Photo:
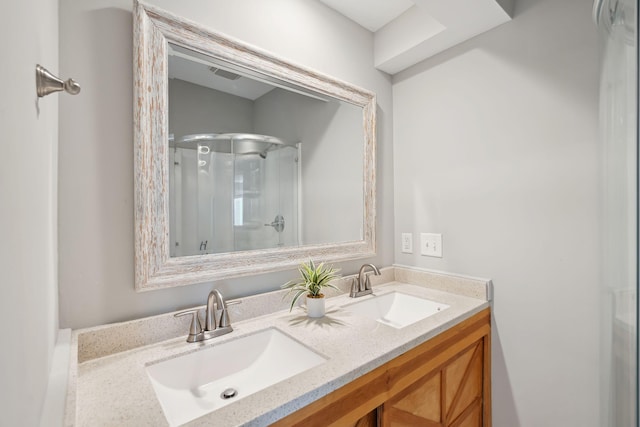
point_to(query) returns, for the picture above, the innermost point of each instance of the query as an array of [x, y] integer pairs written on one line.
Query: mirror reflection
[[257, 163]]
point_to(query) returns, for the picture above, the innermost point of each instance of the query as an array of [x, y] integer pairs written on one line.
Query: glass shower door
[[249, 194], [265, 200], [226, 197], [282, 177], [616, 20]]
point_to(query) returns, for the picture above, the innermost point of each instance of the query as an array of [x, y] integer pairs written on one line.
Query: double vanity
[[414, 351], [406, 347]]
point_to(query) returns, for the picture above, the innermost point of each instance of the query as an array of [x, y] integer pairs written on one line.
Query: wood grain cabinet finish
[[444, 382], [450, 396]]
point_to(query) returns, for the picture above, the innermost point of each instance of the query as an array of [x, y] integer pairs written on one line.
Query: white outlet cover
[[431, 244], [407, 243]]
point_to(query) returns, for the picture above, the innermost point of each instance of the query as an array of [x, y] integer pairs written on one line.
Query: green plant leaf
[[295, 298], [312, 279]]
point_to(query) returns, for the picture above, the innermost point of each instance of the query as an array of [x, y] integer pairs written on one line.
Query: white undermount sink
[[193, 384], [396, 309]]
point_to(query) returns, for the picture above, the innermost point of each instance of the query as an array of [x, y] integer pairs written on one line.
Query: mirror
[[244, 163], [248, 161]]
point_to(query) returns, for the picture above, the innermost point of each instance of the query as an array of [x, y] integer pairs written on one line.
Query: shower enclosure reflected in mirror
[[222, 189], [244, 162]]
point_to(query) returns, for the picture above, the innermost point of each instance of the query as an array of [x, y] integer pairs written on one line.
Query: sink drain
[[229, 393]]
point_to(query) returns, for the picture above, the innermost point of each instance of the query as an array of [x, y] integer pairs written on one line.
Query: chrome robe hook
[[47, 83]]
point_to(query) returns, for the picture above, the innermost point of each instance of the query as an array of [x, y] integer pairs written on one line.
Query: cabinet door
[[451, 396], [369, 420]]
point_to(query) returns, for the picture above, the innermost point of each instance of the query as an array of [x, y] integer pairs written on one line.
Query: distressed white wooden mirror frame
[[154, 268]]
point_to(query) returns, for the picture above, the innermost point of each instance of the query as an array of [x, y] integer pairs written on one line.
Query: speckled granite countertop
[[114, 389]]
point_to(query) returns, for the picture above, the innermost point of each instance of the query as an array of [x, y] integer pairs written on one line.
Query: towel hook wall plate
[[47, 83]]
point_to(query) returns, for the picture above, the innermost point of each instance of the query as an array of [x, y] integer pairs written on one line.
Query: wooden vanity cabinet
[[443, 382]]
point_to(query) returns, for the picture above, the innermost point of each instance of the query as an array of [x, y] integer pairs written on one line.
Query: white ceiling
[[371, 14], [196, 70], [202, 70], [409, 31]]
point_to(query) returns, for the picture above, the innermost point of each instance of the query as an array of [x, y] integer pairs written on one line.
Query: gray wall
[[197, 109], [96, 148], [495, 146], [28, 194]]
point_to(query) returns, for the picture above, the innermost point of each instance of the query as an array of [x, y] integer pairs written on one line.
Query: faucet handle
[[224, 315], [195, 328], [367, 282], [354, 287]]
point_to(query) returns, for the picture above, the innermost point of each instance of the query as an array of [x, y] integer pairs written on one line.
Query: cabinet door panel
[[369, 420], [422, 400], [462, 391], [419, 404], [449, 397], [471, 417], [454, 376], [396, 418]]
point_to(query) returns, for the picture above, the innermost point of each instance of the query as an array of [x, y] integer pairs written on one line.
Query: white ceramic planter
[[315, 306]]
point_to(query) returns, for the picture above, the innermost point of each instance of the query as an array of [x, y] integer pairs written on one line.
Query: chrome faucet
[[358, 286], [212, 327], [215, 302]]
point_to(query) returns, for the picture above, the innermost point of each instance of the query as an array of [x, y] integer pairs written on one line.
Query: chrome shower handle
[[277, 224]]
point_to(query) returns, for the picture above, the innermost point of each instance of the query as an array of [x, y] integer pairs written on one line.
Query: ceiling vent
[[224, 73]]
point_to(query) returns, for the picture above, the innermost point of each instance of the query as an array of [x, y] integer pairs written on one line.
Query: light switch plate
[[431, 244], [407, 243]]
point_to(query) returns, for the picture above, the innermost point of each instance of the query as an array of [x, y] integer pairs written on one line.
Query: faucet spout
[[362, 285], [215, 301], [213, 327], [366, 285]]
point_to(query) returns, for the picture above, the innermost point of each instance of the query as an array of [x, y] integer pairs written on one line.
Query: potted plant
[[311, 281]]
